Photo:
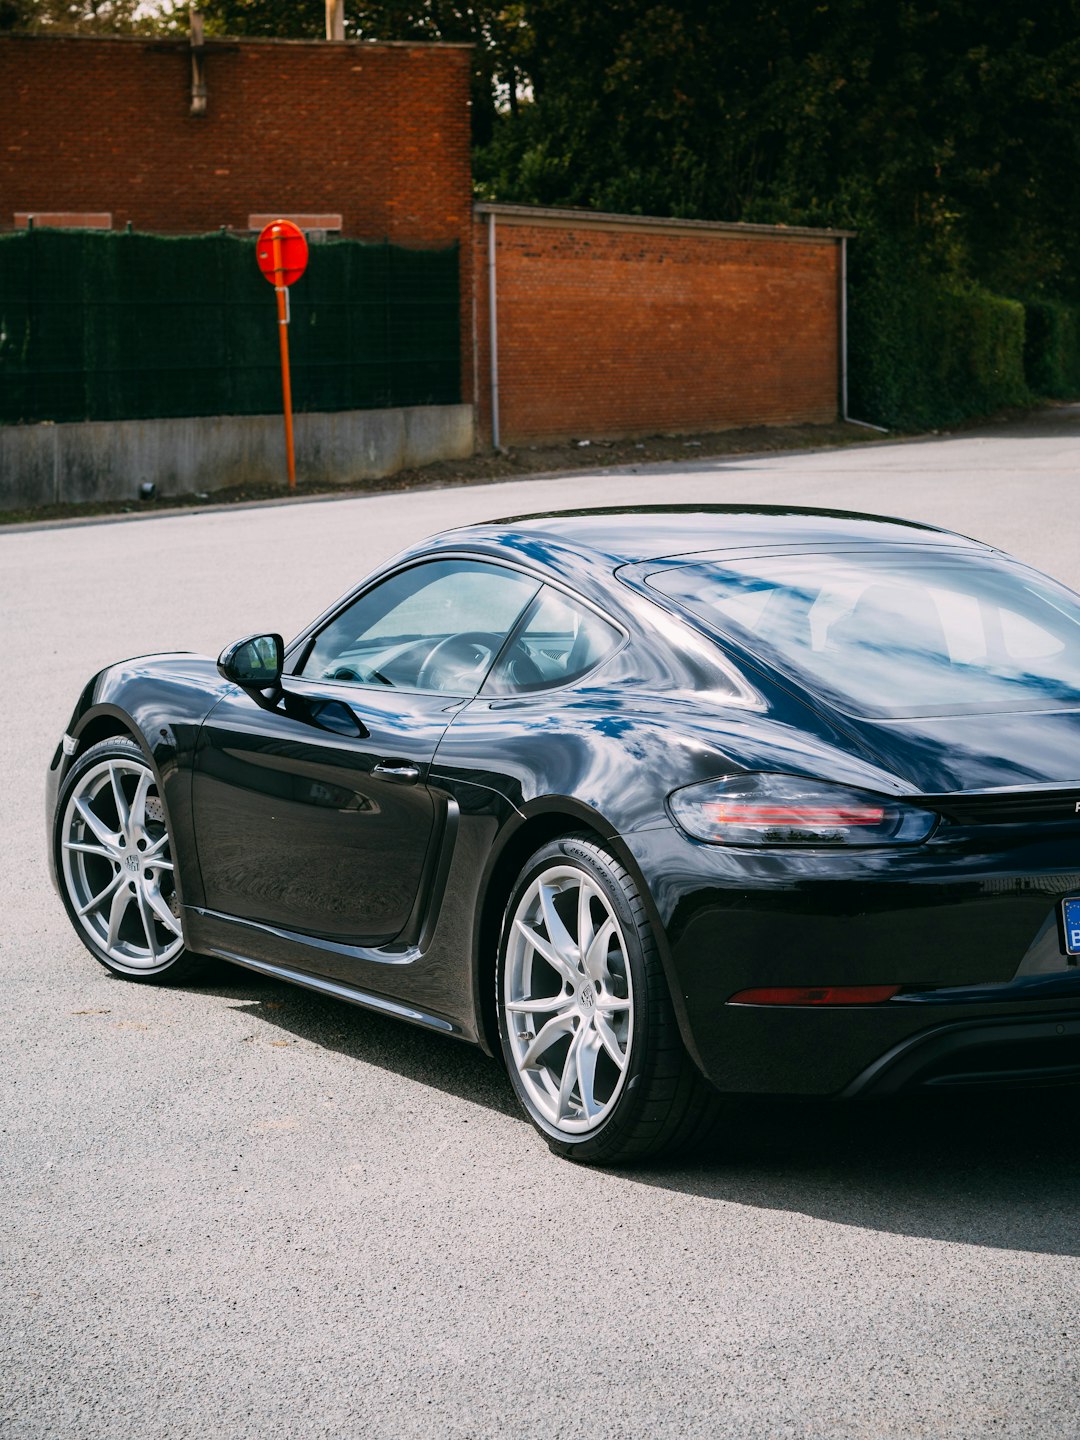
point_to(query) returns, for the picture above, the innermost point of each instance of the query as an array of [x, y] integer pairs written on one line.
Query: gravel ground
[[246, 1211]]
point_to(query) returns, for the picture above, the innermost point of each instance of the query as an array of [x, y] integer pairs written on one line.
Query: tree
[[264, 19], [953, 122], [76, 17]]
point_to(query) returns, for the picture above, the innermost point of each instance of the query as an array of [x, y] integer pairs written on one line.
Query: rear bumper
[[892, 1048], [972, 936], [1006, 1052]]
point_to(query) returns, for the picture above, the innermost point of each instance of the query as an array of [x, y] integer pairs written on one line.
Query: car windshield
[[897, 635]]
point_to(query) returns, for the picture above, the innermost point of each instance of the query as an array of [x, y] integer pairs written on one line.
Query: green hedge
[[924, 353], [115, 326], [1052, 349]]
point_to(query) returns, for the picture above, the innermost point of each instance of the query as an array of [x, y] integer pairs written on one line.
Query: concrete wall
[[47, 464], [613, 325]]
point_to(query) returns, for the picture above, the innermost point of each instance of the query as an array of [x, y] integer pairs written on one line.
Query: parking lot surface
[[244, 1210]]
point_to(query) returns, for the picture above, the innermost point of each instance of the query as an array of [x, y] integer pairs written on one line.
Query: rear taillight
[[770, 809]]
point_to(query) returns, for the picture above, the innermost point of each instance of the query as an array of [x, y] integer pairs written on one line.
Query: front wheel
[[115, 864], [586, 1023]]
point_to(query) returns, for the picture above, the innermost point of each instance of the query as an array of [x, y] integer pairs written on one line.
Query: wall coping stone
[[568, 218]]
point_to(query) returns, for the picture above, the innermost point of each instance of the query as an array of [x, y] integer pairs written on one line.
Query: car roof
[[624, 535]]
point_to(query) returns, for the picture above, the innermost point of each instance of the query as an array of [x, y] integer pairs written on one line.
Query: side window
[[437, 626], [559, 641]]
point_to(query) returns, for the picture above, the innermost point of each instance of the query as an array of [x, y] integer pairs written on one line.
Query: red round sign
[[282, 252]]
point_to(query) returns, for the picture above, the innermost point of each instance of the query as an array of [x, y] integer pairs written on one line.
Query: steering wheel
[[458, 661], [519, 671]]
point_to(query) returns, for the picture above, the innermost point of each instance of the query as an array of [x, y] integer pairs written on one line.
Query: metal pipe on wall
[[843, 328], [493, 333]]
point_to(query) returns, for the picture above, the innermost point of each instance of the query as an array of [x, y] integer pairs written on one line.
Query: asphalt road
[[246, 1211]]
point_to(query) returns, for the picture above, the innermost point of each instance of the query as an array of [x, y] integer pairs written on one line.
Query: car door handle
[[397, 770]]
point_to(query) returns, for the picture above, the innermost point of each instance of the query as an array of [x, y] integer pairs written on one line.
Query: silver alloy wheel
[[117, 865], [568, 1000]]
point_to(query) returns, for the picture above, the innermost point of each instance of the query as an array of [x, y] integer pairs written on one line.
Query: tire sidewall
[[608, 1137]]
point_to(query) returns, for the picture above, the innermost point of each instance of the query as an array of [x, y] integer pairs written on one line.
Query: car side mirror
[[254, 663]]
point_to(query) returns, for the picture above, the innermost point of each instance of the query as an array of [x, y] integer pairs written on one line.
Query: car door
[[317, 815]]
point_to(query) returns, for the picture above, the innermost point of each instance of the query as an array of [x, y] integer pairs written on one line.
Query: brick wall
[[378, 133], [612, 326]]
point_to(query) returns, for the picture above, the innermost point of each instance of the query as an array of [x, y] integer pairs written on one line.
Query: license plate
[[1070, 914]]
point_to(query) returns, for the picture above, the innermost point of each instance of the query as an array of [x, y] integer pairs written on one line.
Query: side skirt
[[345, 992]]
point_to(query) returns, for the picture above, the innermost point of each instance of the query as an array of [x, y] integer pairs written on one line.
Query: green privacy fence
[[119, 326]]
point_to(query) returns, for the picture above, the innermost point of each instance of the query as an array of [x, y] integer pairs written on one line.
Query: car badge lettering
[[133, 863]]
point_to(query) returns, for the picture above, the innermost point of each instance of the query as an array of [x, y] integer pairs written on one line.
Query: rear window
[[896, 635]]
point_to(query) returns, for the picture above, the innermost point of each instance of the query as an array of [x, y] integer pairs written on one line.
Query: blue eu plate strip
[[1071, 914]]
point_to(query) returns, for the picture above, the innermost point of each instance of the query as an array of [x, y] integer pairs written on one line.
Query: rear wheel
[[115, 864], [586, 1023]]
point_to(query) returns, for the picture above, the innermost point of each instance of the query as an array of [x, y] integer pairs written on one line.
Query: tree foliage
[[262, 19], [953, 122], [77, 17]]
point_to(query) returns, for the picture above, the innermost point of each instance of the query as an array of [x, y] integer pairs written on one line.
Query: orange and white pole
[[281, 291]]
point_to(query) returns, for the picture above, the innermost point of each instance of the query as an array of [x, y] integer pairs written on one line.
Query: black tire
[[85, 860], [658, 1102]]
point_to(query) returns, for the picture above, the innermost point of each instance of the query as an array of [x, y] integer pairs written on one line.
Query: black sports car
[[663, 805]]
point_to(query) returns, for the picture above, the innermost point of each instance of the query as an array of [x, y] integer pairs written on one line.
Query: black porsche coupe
[[662, 805]]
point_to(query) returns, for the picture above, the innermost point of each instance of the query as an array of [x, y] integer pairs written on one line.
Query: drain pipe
[[493, 333], [843, 328], [847, 419]]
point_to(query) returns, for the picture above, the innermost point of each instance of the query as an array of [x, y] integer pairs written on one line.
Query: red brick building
[[605, 324]]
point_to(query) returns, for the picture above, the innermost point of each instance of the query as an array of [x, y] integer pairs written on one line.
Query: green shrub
[[924, 353], [1052, 349], [105, 325]]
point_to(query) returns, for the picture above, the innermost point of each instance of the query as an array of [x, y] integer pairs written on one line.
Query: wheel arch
[[105, 722], [539, 823]]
